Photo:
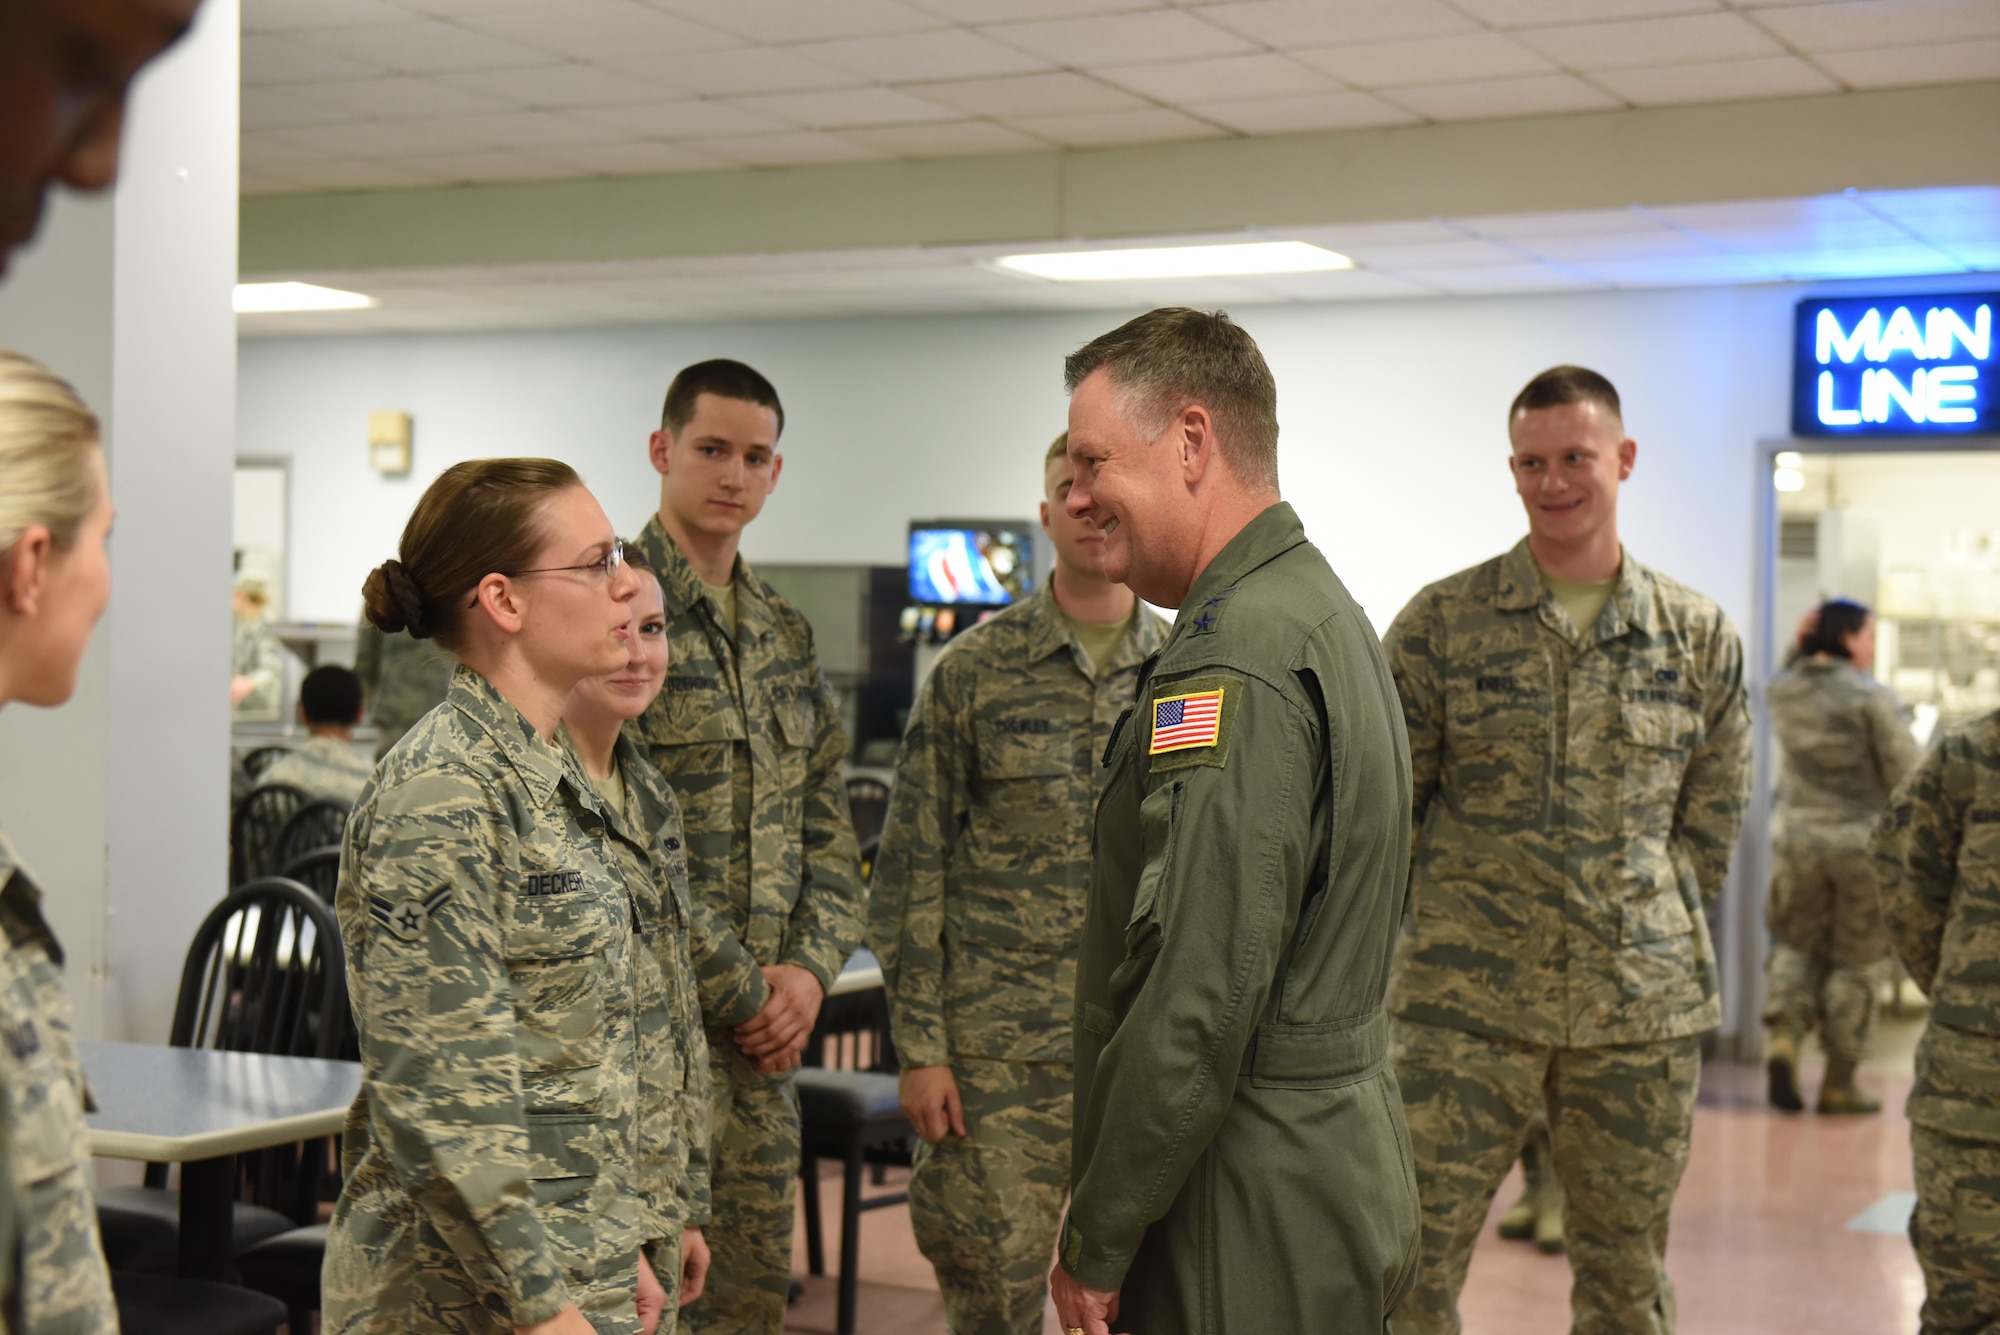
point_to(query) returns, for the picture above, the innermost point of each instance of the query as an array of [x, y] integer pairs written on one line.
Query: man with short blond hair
[[1238, 1161]]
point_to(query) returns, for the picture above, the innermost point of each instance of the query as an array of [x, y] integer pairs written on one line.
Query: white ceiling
[[363, 94], [1854, 235]]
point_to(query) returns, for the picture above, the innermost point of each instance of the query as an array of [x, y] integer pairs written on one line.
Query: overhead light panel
[[1224, 261], [265, 297]]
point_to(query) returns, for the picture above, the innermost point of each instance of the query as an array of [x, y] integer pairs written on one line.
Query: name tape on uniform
[[1184, 721]]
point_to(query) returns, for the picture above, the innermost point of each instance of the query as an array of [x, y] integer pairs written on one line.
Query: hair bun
[[393, 601]]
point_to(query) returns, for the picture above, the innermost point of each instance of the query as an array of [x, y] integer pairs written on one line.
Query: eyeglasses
[[610, 564]]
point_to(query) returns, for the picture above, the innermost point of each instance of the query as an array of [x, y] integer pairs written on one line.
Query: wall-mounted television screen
[[980, 562]]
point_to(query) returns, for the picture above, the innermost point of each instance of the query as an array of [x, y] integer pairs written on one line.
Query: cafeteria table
[[200, 1108]]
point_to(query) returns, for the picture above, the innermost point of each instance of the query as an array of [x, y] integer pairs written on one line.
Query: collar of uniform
[[1275, 531], [21, 904], [1632, 599], [685, 590], [646, 791], [539, 764], [1047, 631]]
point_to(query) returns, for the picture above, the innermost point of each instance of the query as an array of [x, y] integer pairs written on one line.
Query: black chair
[[867, 806], [265, 974], [157, 1305], [851, 1115], [319, 870], [314, 825], [287, 1268], [259, 760], [254, 827]]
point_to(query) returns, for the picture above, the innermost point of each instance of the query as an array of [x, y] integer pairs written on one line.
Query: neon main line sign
[[1896, 366]]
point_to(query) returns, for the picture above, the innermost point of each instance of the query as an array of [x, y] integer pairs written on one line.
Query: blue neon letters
[[1896, 366]]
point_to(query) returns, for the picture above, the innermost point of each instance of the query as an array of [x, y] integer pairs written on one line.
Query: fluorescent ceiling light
[[1790, 459], [261, 297], [1788, 479], [1252, 257]]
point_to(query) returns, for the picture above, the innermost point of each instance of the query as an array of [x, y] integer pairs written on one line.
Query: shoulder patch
[[1188, 721], [407, 918]]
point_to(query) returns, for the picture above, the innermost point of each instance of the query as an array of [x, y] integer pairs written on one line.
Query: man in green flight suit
[[1581, 749], [976, 906], [747, 734], [1239, 1160]]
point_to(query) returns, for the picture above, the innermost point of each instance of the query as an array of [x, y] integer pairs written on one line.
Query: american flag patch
[[1186, 720]]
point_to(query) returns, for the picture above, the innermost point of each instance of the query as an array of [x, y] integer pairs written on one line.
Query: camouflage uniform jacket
[[403, 679], [976, 906], [57, 1267], [325, 768], [1846, 746], [654, 854], [747, 733], [254, 653], [1937, 852], [1244, 893], [1577, 796], [490, 957]]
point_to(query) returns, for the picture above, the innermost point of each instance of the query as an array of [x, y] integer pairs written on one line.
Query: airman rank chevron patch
[[407, 917], [1184, 721]]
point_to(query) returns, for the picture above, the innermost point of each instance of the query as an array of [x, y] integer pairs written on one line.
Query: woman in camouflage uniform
[[647, 816], [1846, 747], [499, 1171], [55, 510]]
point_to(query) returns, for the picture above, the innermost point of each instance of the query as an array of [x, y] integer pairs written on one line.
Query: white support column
[[119, 799]]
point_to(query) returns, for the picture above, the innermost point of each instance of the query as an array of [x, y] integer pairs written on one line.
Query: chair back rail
[[318, 869], [254, 827], [315, 825]]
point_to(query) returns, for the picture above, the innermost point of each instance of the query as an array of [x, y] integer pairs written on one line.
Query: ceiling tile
[[389, 98], [467, 167], [688, 118], [598, 29], [378, 139], [1500, 280], [1765, 213], [1810, 234], [287, 15], [1103, 129], [273, 151], [949, 53], [1967, 202], [1432, 255], [784, 150], [1289, 25], [270, 181], [1222, 79], [957, 139], [1301, 115], [1454, 58], [802, 20], [1718, 81], [748, 70], [1974, 248], [1579, 222], [643, 157], [362, 174], [847, 107], [1345, 285], [1009, 11], [269, 59], [425, 46], [1539, 96], [1028, 95], [522, 129], [1584, 252], [1903, 66], [1542, 13], [1684, 271], [1668, 41], [1874, 24], [267, 106], [1862, 262], [1345, 237], [1147, 37], [563, 86]]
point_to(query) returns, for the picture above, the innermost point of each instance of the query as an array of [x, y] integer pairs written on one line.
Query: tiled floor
[[1760, 1238]]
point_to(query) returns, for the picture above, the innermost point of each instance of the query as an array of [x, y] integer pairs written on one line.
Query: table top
[[863, 971], [174, 1105]]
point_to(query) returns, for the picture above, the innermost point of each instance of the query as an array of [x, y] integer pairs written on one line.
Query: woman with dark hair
[[497, 1178], [1846, 746]]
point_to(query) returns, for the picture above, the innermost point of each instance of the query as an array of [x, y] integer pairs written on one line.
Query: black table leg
[[207, 1218]]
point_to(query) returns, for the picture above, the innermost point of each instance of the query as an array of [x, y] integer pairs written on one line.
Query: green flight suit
[[502, 1158], [975, 911], [1578, 793], [1937, 852], [1240, 1160], [52, 1272], [747, 734]]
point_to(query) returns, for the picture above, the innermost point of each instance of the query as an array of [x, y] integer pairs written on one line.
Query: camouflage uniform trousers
[[986, 1207], [1828, 944], [1956, 1231], [753, 1184], [1619, 1119]]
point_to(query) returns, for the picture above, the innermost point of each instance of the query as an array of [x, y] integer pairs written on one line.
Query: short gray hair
[[1173, 358]]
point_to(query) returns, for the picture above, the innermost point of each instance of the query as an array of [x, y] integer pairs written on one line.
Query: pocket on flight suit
[[555, 946], [1159, 816]]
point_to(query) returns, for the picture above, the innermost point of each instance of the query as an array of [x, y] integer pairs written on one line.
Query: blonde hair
[[1056, 451], [46, 436]]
